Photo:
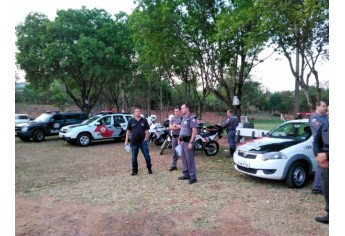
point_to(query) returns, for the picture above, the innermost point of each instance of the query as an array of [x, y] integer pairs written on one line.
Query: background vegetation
[[168, 52]]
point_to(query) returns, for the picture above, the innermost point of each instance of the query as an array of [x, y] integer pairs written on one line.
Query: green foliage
[[80, 48]]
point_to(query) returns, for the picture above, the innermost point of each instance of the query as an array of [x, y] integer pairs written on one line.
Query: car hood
[[30, 123], [74, 126], [267, 144]]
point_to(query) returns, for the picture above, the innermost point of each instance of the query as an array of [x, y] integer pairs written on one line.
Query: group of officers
[[184, 129]]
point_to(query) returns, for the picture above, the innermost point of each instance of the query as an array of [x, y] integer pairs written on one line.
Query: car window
[[58, 118], [22, 117], [291, 130], [45, 117], [105, 120], [119, 119]]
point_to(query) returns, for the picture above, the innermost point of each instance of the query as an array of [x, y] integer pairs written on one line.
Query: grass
[[99, 175]]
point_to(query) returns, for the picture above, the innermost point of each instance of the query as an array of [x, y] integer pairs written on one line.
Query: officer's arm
[[192, 139], [127, 136], [317, 142]]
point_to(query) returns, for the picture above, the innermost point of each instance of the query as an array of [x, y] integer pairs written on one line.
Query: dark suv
[[48, 124]]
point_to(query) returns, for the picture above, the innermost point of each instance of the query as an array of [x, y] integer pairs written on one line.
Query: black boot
[[149, 171], [232, 151]]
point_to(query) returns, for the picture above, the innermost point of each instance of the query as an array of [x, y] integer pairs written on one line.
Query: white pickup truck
[[22, 118]]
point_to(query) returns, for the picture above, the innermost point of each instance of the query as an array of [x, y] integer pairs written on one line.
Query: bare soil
[[63, 189]]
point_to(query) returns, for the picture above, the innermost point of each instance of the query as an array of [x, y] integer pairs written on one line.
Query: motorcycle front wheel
[[164, 146], [211, 148]]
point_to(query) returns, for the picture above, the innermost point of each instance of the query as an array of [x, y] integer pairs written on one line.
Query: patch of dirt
[[48, 216]]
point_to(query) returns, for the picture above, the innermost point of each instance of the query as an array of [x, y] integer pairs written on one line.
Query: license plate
[[242, 163]]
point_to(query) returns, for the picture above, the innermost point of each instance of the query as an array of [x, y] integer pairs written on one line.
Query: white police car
[[98, 127], [284, 153]]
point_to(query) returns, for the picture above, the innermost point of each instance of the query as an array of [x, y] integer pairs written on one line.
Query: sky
[[267, 73]]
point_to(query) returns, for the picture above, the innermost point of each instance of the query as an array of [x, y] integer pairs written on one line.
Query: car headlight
[[67, 130], [25, 128], [273, 156]]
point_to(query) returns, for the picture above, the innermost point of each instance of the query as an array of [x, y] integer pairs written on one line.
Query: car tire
[[38, 136], [297, 175], [84, 139]]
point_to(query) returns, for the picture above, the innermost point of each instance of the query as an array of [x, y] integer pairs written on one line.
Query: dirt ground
[[50, 197]]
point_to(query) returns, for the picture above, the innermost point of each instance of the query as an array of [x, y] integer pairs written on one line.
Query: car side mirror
[[97, 123]]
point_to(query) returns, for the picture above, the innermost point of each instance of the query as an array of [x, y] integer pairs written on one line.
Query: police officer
[[315, 121], [175, 126], [321, 151], [186, 139], [139, 127], [231, 124]]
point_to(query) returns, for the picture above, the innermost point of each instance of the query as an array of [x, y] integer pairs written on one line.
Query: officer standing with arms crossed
[[186, 139], [318, 118], [139, 128], [175, 126], [231, 124]]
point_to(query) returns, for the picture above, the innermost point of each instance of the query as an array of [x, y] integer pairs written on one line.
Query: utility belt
[[185, 138], [175, 135]]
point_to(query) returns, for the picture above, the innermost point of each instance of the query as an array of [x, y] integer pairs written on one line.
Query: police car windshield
[[44, 117], [92, 119], [296, 131]]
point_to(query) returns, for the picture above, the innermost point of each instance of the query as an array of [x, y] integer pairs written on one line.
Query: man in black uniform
[[231, 124], [138, 127], [321, 151]]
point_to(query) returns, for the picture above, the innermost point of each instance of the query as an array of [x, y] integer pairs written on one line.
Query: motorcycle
[[158, 133], [167, 142], [206, 141]]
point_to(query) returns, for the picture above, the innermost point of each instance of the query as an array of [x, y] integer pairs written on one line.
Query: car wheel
[[84, 139], [211, 148], [39, 136], [297, 175]]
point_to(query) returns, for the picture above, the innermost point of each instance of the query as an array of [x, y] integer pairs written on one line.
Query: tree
[[300, 28], [79, 49], [241, 39]]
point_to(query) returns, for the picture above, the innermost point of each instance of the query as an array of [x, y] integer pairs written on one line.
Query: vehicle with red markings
[[98, 127]]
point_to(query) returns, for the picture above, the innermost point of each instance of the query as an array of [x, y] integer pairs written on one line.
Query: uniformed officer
[[175, 126], [315, 121], [321, 151], [231, 124], [186, 139]]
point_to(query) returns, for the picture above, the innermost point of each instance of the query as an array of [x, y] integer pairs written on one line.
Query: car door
[[120, 123], [105, 128], [56, 123]]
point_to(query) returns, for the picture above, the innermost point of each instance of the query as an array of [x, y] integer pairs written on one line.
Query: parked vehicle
[[167, 142], [22, 118], [98, 127], [47, 124], [206, 140], [284, 153]]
